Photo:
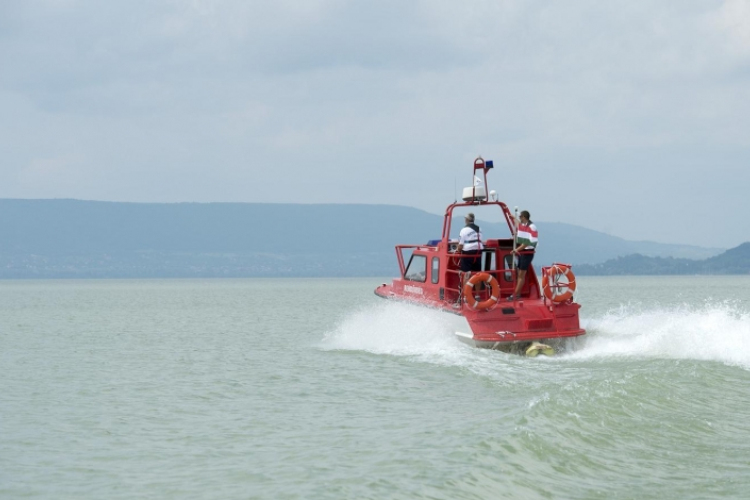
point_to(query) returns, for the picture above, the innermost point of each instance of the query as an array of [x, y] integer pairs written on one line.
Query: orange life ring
[[485, 305], [550, 283]]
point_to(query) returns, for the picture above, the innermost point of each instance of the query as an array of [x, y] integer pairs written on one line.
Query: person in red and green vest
[[526, 240]]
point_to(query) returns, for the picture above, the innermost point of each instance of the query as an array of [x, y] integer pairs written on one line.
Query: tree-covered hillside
[[733, 261]]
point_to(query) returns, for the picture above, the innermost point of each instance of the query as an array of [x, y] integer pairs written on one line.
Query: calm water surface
[[318, 389]]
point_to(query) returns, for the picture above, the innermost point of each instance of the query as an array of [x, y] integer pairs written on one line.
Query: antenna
[[455, 190]]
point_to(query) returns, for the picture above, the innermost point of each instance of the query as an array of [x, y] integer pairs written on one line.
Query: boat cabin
[[437, 266]]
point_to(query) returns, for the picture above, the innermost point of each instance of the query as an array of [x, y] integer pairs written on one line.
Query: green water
[[318, 389]]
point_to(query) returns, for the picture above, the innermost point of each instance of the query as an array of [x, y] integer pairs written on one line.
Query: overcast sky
[[628, 117]]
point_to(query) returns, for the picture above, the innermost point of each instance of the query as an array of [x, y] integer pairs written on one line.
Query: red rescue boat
[[535, 322]]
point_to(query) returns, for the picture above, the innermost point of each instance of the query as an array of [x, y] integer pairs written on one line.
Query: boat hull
[[511, 326]]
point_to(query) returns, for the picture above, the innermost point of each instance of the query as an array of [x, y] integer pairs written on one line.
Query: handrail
[[493, 271], [448, 216]]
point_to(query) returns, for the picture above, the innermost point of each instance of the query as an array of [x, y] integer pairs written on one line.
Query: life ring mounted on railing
[[552, 283], [488, 280]]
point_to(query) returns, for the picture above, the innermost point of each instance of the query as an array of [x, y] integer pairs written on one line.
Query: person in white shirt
[[470, 245]]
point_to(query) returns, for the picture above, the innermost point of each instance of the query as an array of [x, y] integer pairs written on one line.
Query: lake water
[[316, 388]]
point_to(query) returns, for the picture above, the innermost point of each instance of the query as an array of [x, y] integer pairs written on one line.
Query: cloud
[[733, 18], [198, 100]]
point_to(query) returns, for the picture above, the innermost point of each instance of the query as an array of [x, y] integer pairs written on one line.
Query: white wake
[[710, 332], [397, 329]]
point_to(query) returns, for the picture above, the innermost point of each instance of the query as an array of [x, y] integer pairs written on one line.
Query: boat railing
[[506, 279]]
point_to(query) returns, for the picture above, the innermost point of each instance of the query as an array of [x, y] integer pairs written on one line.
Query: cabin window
[[435, 274], [417, 268], [489, 261]]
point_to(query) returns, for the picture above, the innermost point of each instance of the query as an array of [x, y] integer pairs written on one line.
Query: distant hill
[[559, 242], [89, 239], [733, 261]]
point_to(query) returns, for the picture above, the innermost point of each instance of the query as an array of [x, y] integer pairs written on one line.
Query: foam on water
[[426, 335], [397, 329], [710, 332]]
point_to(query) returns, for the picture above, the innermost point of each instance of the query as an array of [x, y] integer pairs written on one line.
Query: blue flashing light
[[489, 164]]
